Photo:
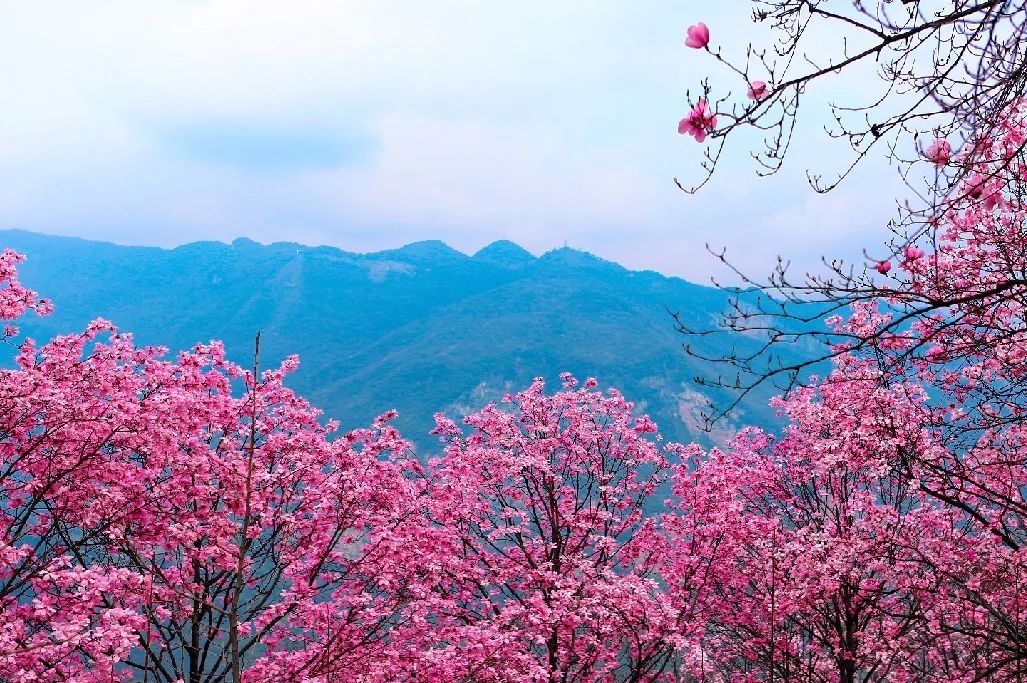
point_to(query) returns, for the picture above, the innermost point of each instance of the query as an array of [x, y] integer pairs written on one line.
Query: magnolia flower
[[979, 188], [974, 186], [698, 36], [700, 121], [757, 90], [912, 253], [939, 152], [883, 267]]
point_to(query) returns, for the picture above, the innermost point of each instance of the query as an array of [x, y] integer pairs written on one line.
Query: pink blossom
[[912, 253], [883, 267], [757, 90], [698, 36], [700, 121], [940, 152]]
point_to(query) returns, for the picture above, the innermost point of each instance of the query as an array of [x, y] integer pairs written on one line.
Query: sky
[[369, 124]]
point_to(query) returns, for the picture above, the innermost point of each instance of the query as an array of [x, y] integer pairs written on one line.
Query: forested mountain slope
[[421, 329]]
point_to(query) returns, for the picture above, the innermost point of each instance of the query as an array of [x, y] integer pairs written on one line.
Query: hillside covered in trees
[[417, 329]]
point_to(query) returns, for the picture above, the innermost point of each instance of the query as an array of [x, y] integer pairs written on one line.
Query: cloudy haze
[[370, 124]]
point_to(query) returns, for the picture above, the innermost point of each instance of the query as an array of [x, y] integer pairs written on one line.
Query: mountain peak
[[504, 253], [245, 243], [575, 258], [421, 251], [421, 328]]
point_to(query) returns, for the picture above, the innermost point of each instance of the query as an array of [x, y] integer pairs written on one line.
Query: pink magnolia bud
[[757, 90], [940, 152], [912, 253], [698, 36], [883, 267]]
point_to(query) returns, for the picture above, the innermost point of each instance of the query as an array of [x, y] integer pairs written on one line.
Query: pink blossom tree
[[947, 314], [268, 550], [556, 576], [158, 527], [64, 477], [818, 569]]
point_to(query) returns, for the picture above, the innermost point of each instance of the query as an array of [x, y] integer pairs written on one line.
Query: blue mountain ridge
[[423, 328]]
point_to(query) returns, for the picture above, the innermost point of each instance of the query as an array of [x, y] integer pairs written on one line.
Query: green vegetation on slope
[[421, 329]]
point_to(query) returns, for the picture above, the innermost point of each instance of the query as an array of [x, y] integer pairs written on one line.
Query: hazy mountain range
[[421, 329]]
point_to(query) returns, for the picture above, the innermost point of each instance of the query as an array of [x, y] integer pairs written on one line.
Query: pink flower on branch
[[912, 253], [757, 91], [883, 267], [940, 152], [700, 121], [698, 36]]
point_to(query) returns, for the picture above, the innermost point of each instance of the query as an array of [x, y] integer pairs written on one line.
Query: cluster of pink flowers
[[702, 120]]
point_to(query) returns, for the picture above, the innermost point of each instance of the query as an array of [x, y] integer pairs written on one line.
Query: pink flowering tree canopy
[[556, 562]]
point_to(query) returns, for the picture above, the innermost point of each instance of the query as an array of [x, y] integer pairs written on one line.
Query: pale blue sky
[[370, 124]]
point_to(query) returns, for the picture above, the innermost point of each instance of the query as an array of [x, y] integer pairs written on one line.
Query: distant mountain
[[421, 329]]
